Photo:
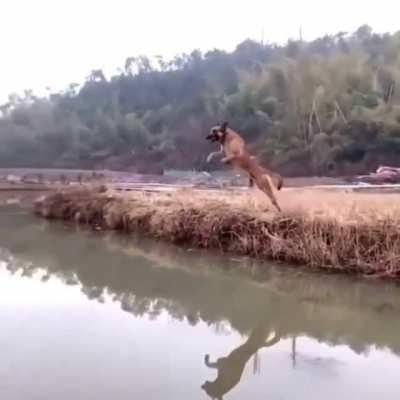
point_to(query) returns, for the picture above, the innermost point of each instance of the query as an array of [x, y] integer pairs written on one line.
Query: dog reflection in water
[[230, 368]]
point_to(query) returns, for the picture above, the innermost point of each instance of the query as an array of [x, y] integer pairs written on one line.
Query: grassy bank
[[346, 232]]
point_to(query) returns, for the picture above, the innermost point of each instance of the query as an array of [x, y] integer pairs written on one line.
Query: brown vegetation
[[333, 231]]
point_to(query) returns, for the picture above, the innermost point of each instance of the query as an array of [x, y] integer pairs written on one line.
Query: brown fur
[[234, 148]]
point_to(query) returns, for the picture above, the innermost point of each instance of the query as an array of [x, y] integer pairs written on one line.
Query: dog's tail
[[280, 182], [277, 180]]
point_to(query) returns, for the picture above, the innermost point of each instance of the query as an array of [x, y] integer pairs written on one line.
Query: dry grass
[[321, 229]]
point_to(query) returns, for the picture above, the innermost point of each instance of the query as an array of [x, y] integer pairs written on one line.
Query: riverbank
[[338, 232]]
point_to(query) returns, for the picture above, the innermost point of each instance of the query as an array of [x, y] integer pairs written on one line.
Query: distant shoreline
[[170, 177]]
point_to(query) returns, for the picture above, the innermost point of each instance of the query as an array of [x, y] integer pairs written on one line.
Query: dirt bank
[[336, 232]]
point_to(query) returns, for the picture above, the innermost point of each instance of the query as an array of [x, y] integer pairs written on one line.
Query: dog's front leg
[[212, 155], [215, 154], [227, 160], [208, 363]]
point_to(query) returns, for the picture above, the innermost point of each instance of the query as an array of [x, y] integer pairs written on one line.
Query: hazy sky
[[55, 42]]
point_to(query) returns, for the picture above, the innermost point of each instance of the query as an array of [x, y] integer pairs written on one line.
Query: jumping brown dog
[[234, 148]]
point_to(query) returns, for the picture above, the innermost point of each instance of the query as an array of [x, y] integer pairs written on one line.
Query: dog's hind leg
[[264, 183], [251, 181], [272, 340]]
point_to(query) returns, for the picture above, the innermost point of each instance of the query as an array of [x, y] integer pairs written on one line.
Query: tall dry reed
[[342, 231]]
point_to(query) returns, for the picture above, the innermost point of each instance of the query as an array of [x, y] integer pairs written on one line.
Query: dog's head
[[218, 133], [211, 389]]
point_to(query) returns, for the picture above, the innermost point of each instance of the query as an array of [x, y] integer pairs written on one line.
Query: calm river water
[[101, 316]]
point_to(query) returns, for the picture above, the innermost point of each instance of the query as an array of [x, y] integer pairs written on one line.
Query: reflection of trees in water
[[294, 351], [148, 278]]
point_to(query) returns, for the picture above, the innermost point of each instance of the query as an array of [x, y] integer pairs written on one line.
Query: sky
[[51, 43]]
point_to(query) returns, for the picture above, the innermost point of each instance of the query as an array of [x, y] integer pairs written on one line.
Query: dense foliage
[[326, 106]]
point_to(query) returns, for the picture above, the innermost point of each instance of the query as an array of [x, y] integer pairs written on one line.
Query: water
[[101, 316]]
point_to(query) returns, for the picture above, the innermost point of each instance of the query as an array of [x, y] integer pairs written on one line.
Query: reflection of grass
[[335, 231]]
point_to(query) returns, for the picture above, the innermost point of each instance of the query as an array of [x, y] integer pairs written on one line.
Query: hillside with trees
[[329, 106]]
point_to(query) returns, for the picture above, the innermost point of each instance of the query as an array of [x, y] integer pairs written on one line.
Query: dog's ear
[[224, 125]]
